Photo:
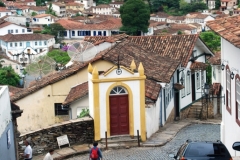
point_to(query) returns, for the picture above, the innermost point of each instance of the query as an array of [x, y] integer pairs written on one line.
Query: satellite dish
[[40, 66], [82, 51]]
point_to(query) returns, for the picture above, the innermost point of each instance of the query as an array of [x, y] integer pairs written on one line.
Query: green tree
[[8, 76], [2, 4], [55, 29], [50, 10], [135, 15], [212, 40], [34, 13], [59, 56], [217, 4]]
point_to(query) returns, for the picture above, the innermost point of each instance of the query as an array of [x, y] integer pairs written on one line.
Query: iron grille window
[[59, 110], [228, 89], [238, 99]]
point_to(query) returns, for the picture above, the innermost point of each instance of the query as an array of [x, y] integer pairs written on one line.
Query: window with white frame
[[202, 78], [188, 84], [168, 93], [15, 44], [16, 30], [228, 89], [198, 80], [183, 80], [20, 44], [10, 44], [35, 43], [237, 99]]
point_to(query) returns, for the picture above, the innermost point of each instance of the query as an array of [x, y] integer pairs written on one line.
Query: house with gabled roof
[[24, 47], [116, 4], [43, 19], [75, 29], [4, 12], [228, 28], [37, 9], [151, 71], [11, 28], [159, 16]]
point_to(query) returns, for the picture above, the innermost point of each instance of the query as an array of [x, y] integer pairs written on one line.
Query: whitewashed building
[[11, 28], [116, 4], [59, 8], [211, 4], [4, 12], [23, 47], [43, 19], [230, 79], [19, 20]]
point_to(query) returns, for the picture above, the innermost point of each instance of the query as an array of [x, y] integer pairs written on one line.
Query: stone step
[[121, 138]]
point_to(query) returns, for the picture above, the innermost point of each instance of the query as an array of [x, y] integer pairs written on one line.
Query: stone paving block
[[169, 132], [65, 151], [81, 148]]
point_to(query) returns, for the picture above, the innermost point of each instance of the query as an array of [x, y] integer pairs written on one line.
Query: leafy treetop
[[135, 15], [8, 76]]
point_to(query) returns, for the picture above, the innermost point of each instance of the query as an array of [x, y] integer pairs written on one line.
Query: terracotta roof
[[165, 31], [3, 56], [198, 66], [25, 37], [4, 9], [153, 23], [102, 6], [156, 67], [176, 47], [59, 4], [4, 24], [181, 18], [96, 40], [38, 8], [216, 88], [152, 89], [76, 93], [182, 26], [74, 4], [113, 23], [196, 24], [216, 59], [44, 15], [228, 28], [178, 86], [197, 16], [13, 90]]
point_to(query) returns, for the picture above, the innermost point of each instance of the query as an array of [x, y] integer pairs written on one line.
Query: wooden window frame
[[228, 76], [237, 103]]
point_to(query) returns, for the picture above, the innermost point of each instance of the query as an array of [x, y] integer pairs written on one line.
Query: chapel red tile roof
[[25, 37], [228, 28], [76, 93]]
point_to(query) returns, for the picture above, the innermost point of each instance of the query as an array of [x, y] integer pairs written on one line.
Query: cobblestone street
[[203, 132]]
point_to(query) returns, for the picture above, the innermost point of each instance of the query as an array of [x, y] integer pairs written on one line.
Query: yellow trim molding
[[133, 65], [96, 106], [130, 105], [142, 110], [90, 68], [115, 67], [119, 79]]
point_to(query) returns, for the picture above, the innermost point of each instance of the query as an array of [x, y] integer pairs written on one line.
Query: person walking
[[49, 155], [28, 150], [95, 152]]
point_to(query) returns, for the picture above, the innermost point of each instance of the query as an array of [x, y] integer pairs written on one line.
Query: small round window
[[118, 90]]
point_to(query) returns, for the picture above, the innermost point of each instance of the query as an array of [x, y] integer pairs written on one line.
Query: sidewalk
[[160, 138]]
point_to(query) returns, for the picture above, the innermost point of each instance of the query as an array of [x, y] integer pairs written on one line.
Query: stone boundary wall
[[79, 131]]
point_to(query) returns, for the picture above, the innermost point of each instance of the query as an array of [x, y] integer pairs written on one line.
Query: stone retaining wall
[[79, 131]]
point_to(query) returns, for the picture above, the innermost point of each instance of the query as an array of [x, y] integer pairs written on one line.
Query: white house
[[4, 12], [23, 47], [176, 19], [59, 8], [103, 9], [37, 9], [116, 4], [230, 79], [159, 16], [75, 29], [19, 20], [42, 19], [211, 4], [8, 27], [9, 62], [199, 18], [87, 3]]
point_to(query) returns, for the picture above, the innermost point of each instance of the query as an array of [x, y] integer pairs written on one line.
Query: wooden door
[[119, 115]]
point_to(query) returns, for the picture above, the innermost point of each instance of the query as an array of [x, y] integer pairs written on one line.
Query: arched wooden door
[[119, 111]]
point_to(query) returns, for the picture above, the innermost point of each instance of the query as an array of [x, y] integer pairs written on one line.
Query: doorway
[[119, 112], [193, 87], [176, 98]]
